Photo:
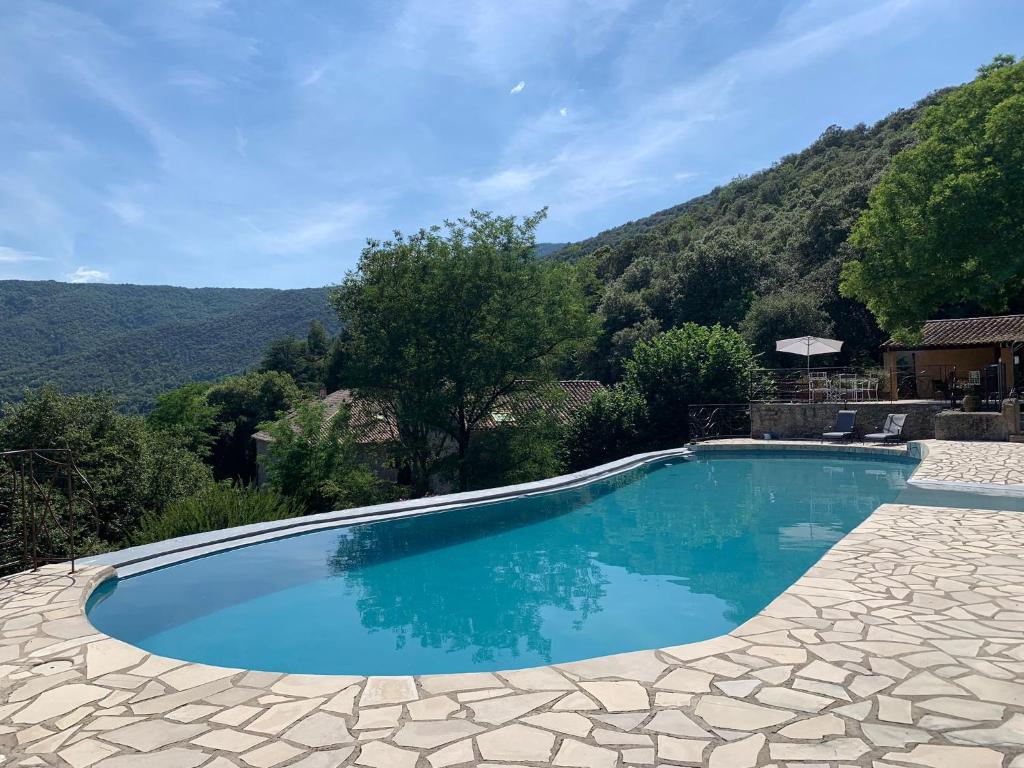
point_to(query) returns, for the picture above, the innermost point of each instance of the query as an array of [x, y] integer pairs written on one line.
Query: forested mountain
[[544, 250], [139, 340], [762, 253]]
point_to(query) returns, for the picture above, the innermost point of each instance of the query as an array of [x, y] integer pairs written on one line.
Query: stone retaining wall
[[956, 425], [811, 419]]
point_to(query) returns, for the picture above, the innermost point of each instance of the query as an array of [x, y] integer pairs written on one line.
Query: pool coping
[[901, 567], [148, 557]]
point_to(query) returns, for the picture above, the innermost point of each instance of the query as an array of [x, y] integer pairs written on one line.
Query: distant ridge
[[140, 340]]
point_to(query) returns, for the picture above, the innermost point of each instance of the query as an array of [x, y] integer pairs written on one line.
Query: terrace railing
[[821, 384], [43, 498], [709, 421]]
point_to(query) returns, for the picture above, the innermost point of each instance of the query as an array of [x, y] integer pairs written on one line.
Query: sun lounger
[[892, 429], [843, 430]]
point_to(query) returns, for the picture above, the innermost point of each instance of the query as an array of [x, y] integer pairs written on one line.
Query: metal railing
[[40, 507], [818, 385], [709, 421], [951, 383]]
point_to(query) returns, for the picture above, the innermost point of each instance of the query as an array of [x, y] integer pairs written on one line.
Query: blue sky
[[259, 143]]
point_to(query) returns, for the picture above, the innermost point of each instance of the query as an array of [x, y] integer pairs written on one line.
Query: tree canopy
[[945, 225], [444, 323], [130, 470], [138, 341]]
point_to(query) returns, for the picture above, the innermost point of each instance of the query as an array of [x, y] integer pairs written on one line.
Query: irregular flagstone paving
[[972, 462], [903, 646]]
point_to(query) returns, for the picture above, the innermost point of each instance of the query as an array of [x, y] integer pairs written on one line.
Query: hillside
[[138, 340], [762, 253]]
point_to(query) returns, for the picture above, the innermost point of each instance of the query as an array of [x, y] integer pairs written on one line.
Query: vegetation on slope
[[138, 341], [944, 230], [776, 238]]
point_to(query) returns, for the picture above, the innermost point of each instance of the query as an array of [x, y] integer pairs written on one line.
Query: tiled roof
[[561, 399], [368, 422], [968, 331], [371, 426]]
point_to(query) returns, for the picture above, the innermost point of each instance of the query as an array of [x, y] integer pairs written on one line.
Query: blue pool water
[[662, 555]]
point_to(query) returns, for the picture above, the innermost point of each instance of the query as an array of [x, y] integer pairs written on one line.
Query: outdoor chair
[[843, 430], [892, 429]]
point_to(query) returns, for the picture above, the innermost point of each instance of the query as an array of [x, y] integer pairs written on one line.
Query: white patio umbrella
[[807, 346]]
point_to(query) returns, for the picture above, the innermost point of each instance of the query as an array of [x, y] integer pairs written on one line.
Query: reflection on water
[[653, 557]]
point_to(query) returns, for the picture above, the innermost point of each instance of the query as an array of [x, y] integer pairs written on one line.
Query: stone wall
[[811, 419], [956, 425]]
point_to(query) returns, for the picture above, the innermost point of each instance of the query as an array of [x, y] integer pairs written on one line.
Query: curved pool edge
[[147, 557], [172, 551], [890, 569]]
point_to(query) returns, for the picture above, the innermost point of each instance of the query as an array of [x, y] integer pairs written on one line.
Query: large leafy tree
[[649, 408], [443, 324], [305, 361], [186, 412], [945, 225]]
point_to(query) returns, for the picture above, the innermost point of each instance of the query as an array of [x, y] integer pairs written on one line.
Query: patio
[[901, 646]]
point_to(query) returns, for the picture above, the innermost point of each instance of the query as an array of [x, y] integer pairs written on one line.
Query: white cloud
[[126, 210], [14, 256], [319, 227], [314, 77], [518, 87], [564, 111], [86, 275], [505, 183], [198, 83], [580, 166]]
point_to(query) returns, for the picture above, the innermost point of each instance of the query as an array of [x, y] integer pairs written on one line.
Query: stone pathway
[[902, 647]]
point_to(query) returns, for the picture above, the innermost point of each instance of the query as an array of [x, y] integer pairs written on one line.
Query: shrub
[[610, 426], [217, 506], [685, 366]]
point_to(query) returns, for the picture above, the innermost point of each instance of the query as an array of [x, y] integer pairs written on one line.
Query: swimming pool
[[664, 554]]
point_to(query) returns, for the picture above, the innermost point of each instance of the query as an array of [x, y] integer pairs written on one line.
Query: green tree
[[313, 460], [685, 366], [243, 402], [716, 280], [288, 355], [945, 225], [129, 468], [305, 361], [782, 315], [445, 323], [187, 413], [612, 425], [316, 341]]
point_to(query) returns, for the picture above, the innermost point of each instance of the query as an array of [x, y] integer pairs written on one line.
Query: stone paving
[[903, 646], [973, 462]]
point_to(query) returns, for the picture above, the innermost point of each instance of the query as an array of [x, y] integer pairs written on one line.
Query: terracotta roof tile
[[968, 331]]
